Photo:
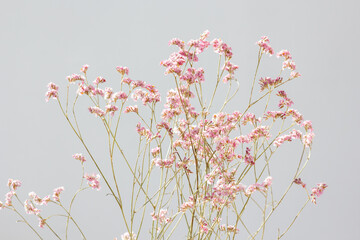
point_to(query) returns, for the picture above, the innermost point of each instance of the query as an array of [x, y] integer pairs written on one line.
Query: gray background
[[43, 41]]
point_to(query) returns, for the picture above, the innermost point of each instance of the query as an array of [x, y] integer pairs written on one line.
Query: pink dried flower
[[155, 151], [30, 209], [8, 198], [229, 228], [1, 205], [289, 64], [294, 74], [264, 45], [297, 117], [119, 95], [56, 193], [42, 222], [93, 180], [129, 109], [167, 163], [248, 159], [128, 81], [14, 184], [99, 80], [84, 68], [267, 182], [268, 83], [108, 93], [80, 157], [298, 181], [177, 42], [317, 191], [221, 48], [161, 216], [97, 111], [308, 138], [187, 205], [128, 236], [307, 125], [111, 109], [285, 54], [75, 77], [123, 70], [52, 91]]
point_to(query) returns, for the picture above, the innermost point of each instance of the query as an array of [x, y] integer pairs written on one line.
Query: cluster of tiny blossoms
[[210, 153], [35, 200]]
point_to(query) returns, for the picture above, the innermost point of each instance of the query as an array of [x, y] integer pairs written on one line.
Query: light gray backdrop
[[43, 41]]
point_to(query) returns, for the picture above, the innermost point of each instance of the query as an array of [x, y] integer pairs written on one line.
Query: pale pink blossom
[[317, 191], [294, 74], [8, 198], [84, 68], [97, 111], [52, 91], [268, 83], [80, 157], [155, 151], [229, 228], [267, 182], [56, 193], [308, 139], [264, 45], [93, 180], [307, 125], [119, 96], [134, 109], [161, 216], [42, 222], [75, 77], [284, 53], [187, 205], [111, 109], [99, 80], [14, 184], [298, 181], [177, 42], [289, 64], [128, 236], [30, 209], [122, 70]]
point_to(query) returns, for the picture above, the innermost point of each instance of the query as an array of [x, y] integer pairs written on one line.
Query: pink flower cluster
[[52, 91], [128, 236], [229, 228], [317, 191], [259, 186], [14, 184], [230, 68], [161, 216], [38, 200], [298, 181], [222, 48], [56, 193], [30, 209], [285, 101], [294, 134], [166, 163], [264, 45], [80, 157], [75, 77], [93, 180], [123, 70], [268, 83]]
